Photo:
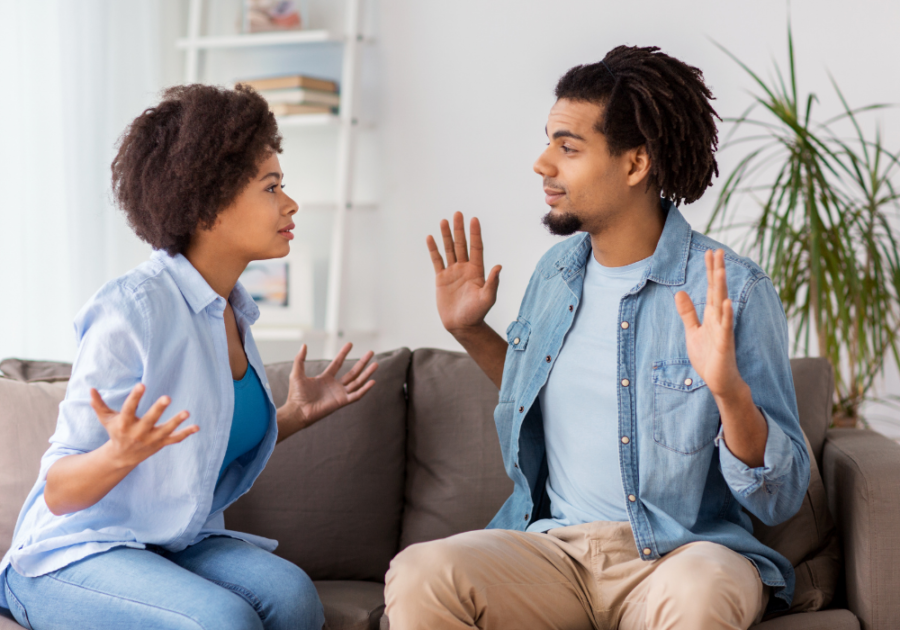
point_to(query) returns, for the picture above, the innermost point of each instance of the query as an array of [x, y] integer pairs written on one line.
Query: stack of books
[[297, 94]]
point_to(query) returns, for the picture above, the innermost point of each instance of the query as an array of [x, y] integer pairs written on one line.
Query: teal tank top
[[250, 419]]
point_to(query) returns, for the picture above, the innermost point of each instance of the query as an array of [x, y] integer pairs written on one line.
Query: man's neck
[[632, 237]]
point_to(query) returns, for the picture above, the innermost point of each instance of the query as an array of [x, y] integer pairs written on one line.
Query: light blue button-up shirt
[[162, 325], [687, 486]]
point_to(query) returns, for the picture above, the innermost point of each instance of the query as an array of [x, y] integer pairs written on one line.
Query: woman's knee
[[295, 603]]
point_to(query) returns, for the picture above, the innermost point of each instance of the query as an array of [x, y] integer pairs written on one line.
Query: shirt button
[[526, 517], [515, 465], [625, 439], [625, 382], [624, 324], [571, 308], [688, 381], [647, 551], [548, 358], [516, 341], [632, 498], [521, 409]]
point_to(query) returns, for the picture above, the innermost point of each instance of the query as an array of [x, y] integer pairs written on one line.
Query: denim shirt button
[[632, 498], [688, 381], [625, 382], [521, 409], [548, 359], [625, 439], [647, 551], [516, 341], [526, 517], [571, 308], [624, 324]]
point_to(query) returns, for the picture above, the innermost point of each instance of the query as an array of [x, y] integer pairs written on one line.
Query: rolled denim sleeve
[[774, 491]]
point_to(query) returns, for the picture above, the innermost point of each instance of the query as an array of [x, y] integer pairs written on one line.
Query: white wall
[[459, 93]]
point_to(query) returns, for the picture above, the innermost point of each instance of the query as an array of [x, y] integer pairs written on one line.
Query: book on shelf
[[289, 109], [291, 81], [301, 96]]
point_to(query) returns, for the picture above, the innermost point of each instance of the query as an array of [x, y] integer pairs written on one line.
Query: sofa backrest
[[331, 494], [455, 479]]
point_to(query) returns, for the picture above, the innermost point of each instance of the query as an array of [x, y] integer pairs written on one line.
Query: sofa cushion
[[455, 480], [332, 494], [27, 420], [35, 371], [823, 620], [814, 386], [351, 605], [809, 541]]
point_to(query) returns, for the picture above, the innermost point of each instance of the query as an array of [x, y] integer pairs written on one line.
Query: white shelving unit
[[346, 122]]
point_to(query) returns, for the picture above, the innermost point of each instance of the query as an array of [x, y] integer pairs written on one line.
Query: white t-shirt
[[580, 406]]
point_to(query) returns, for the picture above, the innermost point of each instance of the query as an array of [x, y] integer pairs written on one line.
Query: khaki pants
[[571, 578]]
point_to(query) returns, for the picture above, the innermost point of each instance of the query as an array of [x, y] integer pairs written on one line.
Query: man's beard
[[564, 224]]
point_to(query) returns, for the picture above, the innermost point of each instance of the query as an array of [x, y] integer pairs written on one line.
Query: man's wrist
[[464, 334], [736, 396]]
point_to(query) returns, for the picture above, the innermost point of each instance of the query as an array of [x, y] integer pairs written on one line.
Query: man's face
[[585, 186]]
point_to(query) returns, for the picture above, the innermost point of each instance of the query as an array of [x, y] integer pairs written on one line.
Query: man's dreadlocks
[[649, 98]]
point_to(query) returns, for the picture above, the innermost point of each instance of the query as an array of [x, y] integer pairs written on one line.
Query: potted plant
[[823, 227]]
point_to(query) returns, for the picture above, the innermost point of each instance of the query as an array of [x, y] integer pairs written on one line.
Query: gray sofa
[[418, 458]]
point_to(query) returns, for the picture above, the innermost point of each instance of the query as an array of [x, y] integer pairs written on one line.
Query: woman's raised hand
[[133, 439], [312, 398], [464, 296]]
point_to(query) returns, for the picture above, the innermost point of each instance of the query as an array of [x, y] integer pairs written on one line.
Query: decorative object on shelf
[[826, 230], [283, 288], [262, 16], [297, 94], [291, 109], [291, 81], [301, 96], [267, 282]]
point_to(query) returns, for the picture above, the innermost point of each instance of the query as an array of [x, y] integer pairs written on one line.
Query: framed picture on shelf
[[282, 288], [263, 16]]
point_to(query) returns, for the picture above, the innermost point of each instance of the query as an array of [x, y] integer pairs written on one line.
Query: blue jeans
[[218, 584]]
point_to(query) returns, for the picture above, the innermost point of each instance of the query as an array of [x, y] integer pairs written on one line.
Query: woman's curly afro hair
[[184, 161], [654, 100]]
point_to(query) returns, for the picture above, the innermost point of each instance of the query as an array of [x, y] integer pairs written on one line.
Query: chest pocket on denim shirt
[[685, 418], [518, 333]]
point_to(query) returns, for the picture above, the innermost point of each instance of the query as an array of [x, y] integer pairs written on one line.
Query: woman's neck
[[220, 270]]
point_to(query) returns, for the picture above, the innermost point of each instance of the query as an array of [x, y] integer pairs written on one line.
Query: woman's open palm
[[313, 398], [132, 438]]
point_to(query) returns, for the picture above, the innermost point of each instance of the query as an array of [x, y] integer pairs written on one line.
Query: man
[[634, 434]]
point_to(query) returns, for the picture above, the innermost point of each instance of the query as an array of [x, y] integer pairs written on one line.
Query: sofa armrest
[[862, 479]]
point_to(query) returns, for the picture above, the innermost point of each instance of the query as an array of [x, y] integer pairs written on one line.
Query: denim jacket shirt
[[162, 325], [687, 486]]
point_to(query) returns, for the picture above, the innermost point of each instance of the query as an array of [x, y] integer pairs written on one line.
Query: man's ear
[[639, 165]]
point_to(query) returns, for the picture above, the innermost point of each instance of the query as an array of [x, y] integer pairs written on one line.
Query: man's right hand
[[464, 297]]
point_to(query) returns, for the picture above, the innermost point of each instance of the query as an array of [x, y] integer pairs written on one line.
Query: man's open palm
[[464, 296], [710, 345]]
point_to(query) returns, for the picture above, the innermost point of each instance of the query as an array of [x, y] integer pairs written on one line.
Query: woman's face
[[257, 225]]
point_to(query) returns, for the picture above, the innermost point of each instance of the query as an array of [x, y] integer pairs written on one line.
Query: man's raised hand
[[710, 345], [133, 439], [464, 296]]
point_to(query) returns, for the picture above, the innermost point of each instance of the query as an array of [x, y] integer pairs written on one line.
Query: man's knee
[[703, 587], [419, 567]]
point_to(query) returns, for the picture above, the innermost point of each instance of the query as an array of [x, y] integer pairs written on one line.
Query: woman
[[124, 527]]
